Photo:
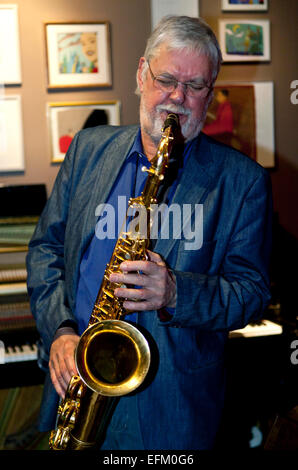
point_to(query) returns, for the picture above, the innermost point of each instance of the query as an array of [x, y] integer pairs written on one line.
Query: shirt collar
[[137, 147]]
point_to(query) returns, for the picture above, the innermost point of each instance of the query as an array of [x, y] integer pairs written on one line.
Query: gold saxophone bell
[[112, 357]]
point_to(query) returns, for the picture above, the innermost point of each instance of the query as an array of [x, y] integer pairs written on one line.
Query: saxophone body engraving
[[112, 356]]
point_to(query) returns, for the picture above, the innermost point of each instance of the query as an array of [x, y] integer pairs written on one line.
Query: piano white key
[[18, 354], [2, 352], [33, 352], [27, 352], [10, 356]]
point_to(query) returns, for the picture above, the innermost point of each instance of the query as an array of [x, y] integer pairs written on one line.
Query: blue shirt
[[130, 183]]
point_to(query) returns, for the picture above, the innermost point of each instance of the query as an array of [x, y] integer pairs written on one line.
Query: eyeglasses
[[169, 84]]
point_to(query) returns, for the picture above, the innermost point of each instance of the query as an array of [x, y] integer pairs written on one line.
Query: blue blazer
[[220, 287]]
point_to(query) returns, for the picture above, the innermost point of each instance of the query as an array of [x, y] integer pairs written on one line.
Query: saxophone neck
[[160, 161]]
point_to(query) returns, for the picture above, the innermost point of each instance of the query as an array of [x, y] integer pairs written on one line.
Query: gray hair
[[180, 32]]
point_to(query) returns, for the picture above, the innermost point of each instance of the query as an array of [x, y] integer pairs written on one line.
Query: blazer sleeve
[[45, 259], [239, 292]]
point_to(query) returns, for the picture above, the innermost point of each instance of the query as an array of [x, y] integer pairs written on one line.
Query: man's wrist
[[68, 327]]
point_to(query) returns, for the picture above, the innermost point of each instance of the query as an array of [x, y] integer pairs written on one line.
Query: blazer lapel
[[191, 189], [108, 170]]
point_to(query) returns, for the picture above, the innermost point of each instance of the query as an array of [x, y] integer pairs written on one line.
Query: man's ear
[[210, 96], [142, 62]]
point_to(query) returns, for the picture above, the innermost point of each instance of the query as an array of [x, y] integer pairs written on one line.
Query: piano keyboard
[[265, 328], [17, 353]]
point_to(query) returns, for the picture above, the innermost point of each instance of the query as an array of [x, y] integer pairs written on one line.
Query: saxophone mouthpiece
[[171, 121]]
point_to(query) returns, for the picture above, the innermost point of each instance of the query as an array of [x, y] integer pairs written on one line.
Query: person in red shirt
[[223, 122]]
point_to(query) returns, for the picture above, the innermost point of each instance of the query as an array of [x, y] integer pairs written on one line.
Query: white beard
[[153, 126]]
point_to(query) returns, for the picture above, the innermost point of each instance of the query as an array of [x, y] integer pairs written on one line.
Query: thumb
[[155, 258]]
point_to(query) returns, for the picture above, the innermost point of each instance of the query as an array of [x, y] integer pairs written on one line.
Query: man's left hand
[[156, 284]]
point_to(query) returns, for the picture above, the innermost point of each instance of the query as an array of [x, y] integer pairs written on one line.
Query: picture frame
[[10, 62], [245, 40], [244, 5], [252, 131], [78, 54], [11, 134], [67, 118], [159, 9]]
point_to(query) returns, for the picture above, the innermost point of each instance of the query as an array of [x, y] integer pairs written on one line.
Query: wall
[[282, 70], [130, 26]]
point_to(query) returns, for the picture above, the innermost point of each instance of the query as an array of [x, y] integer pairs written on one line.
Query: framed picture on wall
[[159, 9], [244, 5], [78, 54], [242, 116], [244, 40], [11, 134], [66, 119], [10, 63]]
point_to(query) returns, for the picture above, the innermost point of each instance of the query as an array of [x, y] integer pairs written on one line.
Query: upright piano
[[20, 208]]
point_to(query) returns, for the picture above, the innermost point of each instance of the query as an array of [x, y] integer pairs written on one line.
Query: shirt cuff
[[68, 327], [166, 314]]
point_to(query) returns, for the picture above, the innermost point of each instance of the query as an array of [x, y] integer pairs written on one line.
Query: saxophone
[[112, 356]]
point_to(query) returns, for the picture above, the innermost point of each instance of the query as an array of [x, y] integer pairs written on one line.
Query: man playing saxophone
[[187, 298]]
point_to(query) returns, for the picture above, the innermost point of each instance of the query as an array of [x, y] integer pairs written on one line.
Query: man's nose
[[178, 95]]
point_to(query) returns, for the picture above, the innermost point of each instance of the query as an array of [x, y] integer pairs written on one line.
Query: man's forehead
[[186, 61], [180, 53]]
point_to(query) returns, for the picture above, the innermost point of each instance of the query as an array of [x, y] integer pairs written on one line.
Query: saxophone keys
[[65, 411], [60, 409], [74, 386], [59, 438], [120, 258], [73, 416], [108, 293]]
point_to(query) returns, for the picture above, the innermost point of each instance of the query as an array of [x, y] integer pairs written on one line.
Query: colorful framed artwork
[[244, 5], [10, 63], [245, 40], [66, 119], [11, 134], [78, 54], [242, 115]]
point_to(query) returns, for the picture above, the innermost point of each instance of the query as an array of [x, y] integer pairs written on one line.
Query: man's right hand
[[62, 362]]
